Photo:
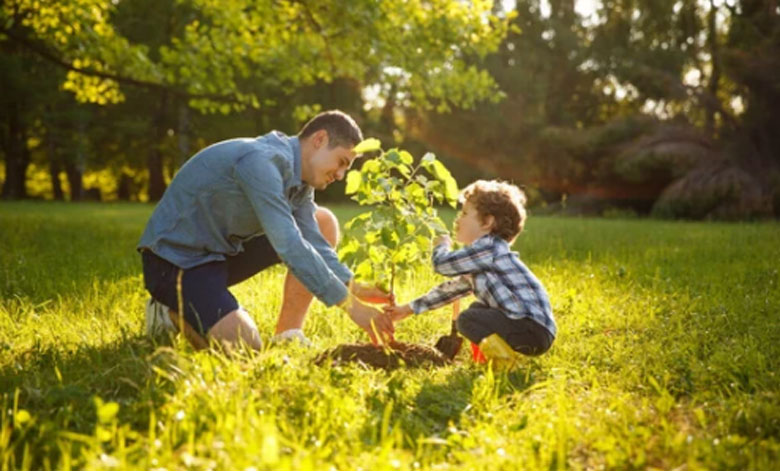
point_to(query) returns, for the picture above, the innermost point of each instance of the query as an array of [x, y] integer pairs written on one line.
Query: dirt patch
[[396, 355]]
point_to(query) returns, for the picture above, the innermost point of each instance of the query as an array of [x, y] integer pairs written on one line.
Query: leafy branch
[[396, 234]]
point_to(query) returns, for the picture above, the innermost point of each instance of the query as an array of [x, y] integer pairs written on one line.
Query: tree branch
[[42, 52], [320, 30]]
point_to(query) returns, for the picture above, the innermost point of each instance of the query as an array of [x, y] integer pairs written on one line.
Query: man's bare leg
[[296, 298], [236, 327]]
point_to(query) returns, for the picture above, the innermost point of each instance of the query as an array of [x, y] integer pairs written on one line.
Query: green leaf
[[107, 412], [22, 417], [371, 166], [393, 156], [389, 238], [367, 145], [354, 179], [364, 270], [451, 191]]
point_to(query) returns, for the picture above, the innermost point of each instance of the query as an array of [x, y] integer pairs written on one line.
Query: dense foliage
[[639, 105], [394, 237]]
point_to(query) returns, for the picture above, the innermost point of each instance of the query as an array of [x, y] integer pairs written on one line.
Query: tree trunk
[[54, 172], [17, 156], [55, 165], [155, 160], [712, 86], [74, 180], [75, 167]]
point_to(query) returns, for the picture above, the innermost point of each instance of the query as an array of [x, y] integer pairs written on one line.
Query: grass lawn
[[668, 357]]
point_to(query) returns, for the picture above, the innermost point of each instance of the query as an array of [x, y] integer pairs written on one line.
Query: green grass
[[667, 358]]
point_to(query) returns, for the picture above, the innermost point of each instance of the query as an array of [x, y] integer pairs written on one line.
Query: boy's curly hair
[[504, 201]]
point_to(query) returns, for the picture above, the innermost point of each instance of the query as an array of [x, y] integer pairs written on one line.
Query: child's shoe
[[496, 350]]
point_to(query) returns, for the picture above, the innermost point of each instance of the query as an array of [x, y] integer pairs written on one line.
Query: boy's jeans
[[523, 335]]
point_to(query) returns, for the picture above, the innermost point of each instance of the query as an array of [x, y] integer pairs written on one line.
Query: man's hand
[[372, 321], [371, 294], [398, 313]]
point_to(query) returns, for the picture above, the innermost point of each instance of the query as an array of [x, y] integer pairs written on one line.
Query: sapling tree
[[395, 235]]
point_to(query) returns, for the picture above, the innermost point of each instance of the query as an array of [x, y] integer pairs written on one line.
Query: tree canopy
[[641, 104]]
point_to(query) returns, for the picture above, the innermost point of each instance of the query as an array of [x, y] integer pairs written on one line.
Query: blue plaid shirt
[[495, 275]]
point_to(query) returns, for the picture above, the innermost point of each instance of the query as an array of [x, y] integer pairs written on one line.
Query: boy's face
[[470, 226], [326, 165]]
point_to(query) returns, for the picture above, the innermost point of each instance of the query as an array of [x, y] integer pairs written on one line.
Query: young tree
[[395, 235]]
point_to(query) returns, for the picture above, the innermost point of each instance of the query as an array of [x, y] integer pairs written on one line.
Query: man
[[238, 207]]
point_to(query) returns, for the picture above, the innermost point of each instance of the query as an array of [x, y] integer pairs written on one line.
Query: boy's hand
[[378, 326], [398, 313], [442, 239], [371, 294]]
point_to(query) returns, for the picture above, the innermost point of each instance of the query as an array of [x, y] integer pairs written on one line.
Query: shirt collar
[[295, 143], [491, 239]]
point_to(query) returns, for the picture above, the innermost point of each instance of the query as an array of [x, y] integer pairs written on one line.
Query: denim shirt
[[238, 189]]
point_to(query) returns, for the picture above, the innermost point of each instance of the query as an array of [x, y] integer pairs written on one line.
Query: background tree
[[227, 56]]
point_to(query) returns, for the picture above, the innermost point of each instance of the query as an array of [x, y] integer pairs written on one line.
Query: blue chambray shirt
[[235, 190]]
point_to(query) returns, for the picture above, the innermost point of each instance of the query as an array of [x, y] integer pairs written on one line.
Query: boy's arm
[[445, 293], [472, 258]]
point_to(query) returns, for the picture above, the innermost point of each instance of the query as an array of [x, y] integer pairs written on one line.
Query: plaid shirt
[[495, 275]]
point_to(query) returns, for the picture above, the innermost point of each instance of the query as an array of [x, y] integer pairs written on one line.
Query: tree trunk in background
[[75, 167], [155, 160], [54, 169], [559, 89], [712, 86], [17, 156], [52, 144], [74, 180]]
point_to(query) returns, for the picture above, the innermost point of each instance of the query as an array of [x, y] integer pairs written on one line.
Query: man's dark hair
[[342, 129]]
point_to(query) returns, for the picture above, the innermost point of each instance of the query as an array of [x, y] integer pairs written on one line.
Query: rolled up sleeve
[[262, 183], [304, 216]]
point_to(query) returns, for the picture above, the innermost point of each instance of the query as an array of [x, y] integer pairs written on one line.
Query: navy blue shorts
[[204, 288]]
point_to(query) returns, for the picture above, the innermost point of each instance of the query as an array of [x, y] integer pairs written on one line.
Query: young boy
[[513, 307]]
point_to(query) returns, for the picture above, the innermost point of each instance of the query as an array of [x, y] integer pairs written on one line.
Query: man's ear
[[320, 138]]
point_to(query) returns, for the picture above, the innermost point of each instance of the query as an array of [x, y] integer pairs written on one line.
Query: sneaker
[[497, 351], [292, 335], [158, 321]]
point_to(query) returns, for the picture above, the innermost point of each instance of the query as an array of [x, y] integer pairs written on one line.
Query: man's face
[[328, 165]]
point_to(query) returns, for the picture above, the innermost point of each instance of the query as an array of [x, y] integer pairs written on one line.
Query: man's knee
[[329, 225], [236, 327]]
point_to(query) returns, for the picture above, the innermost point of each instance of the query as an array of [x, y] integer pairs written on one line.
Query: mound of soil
[[395, 355]]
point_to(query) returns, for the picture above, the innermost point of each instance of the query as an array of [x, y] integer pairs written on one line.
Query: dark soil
[[395, 355]]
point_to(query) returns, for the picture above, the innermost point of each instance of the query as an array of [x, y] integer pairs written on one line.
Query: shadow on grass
[[58, 389], [438, 408]]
